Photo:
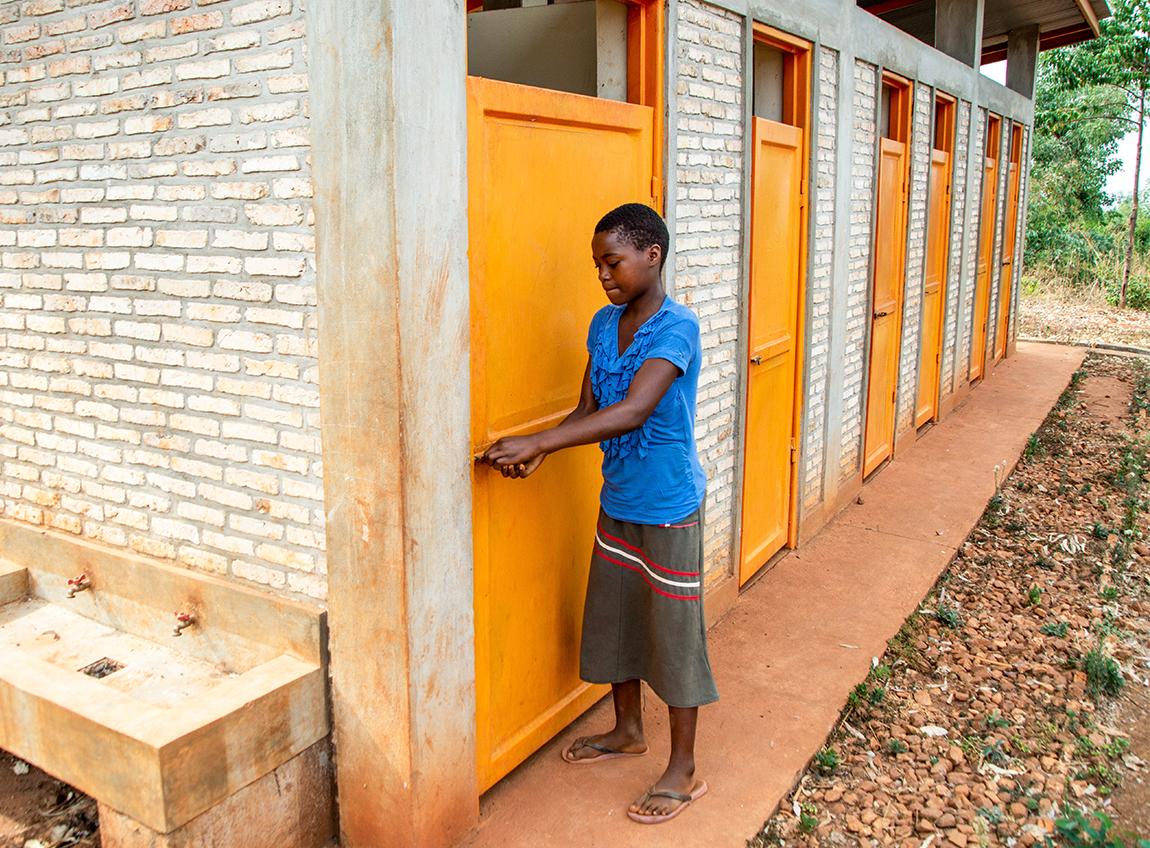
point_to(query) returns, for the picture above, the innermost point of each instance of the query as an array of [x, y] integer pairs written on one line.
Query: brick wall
[[920, 147], [863, 143], [966, 317], [821, 277], [1003, 177], [709, 153], [157, 345], [954, 281]]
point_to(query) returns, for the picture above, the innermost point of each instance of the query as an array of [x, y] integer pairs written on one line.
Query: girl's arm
[[587, 424]]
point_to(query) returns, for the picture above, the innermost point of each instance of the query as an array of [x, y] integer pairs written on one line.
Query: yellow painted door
[[982, 280], [886, 314], [934, 289], [543, 167], [777, 205], [1006, 278]]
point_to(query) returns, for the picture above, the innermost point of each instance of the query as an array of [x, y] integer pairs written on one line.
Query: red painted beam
[[880, 7], [1061, 37]]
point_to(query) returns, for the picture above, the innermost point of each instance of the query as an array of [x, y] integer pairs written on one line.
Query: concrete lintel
[[388, 88], [1022, 59], [958, 29]]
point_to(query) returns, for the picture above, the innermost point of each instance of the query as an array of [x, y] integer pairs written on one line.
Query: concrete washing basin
[[98, 690]]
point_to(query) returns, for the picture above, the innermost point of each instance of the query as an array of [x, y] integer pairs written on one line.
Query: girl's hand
[[522, 469], [515, 456]]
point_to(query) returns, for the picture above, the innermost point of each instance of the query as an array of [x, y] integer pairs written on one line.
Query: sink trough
[[97, 689]]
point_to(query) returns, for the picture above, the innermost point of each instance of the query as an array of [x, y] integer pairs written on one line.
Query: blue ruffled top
[[652, 474]]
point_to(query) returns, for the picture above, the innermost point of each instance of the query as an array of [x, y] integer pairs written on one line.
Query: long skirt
[[643, 618]]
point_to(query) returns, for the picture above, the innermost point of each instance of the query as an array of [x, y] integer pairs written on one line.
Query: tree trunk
[[1134, 204]]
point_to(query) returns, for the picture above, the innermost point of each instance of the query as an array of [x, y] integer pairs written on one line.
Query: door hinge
[[894, 396], [656, 189], [794, 451]]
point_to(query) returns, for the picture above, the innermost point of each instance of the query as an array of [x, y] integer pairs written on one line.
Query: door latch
[[756, 360], [881, 314]]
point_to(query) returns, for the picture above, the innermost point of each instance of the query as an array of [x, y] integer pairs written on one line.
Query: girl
[[643, 617]]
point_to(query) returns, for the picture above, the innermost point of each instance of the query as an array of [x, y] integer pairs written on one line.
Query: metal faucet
[[184, 620], [78, 584]]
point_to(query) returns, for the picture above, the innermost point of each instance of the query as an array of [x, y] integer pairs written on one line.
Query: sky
[[1122, 181]]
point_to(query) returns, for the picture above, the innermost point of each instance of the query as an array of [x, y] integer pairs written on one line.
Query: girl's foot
[[605, 746], [679, 782]]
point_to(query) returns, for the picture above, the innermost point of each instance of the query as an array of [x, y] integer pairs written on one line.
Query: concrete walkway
[[793, 646]]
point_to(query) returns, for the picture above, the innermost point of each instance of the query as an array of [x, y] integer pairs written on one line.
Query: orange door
[[543, 166], [985, 254], [776, 264], [934, 290], [1013, 187], [886, 300]]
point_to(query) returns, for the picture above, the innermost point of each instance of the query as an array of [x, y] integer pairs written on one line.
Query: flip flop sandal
[[684, 801], [605, 753]]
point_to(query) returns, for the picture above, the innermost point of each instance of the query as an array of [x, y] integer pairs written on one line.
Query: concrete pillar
[[958, 29], [1022, 59], [389, 145]]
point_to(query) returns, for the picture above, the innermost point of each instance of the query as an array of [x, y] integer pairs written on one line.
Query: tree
[[1076, 131], [1119, 61]]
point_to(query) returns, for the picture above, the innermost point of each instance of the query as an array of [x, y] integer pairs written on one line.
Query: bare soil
[[1081, 317], [1019, 691], [38, 811]]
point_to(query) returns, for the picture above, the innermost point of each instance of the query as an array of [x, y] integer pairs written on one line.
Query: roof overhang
[[1060, 22]]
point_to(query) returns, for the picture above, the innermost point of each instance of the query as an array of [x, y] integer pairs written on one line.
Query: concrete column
[[958, 29], [389, 144], [1022, 59]]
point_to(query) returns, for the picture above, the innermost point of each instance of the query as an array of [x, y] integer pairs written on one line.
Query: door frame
[[646, 81], [899, 122], [1012, 213], [947, 133], [798, 54], [993, 131]]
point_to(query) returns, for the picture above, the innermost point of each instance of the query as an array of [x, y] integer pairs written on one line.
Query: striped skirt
[[643, 618]]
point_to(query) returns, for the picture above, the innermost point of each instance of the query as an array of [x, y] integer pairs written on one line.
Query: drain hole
[[102, 668]]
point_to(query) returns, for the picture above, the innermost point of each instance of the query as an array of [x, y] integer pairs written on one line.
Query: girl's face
[[625, 271]]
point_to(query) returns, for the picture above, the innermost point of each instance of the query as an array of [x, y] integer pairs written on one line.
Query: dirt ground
[[1081, 317], [38, 811], [1019, 692]]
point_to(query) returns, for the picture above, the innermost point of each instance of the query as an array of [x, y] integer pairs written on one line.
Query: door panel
[[934, 290], [982, 281], [543, 166], [886, 315], [1006, 279], [776, 263]]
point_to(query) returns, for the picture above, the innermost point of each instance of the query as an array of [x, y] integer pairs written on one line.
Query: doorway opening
[[985, 246], [1009, 237], [937, 261], [888, 270], [550, 150], [780, 147]]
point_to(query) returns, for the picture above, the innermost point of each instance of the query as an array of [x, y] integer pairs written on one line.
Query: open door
[[937, 260], [1010, 235], [985, 247], [779, 145], [543, 167], [889, 274]]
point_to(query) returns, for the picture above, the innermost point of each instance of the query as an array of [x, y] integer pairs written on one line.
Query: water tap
[[79, 583], [184, 620]]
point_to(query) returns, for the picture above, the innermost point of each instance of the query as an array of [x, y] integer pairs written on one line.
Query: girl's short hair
[[639, 225]]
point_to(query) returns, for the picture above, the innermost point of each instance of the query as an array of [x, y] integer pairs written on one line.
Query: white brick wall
[[957, 243], [709, 154], [858, 263], [920, 146], [157, 293], [966, 318], [821, 277]]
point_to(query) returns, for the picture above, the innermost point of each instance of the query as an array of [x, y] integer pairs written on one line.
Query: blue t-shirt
[[651, 475]]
